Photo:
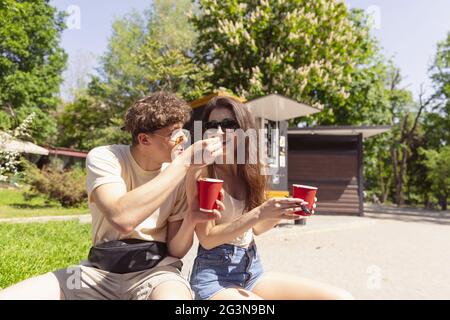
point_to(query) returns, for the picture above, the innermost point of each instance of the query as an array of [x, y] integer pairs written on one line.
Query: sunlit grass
[[14, 204], [31, 249]]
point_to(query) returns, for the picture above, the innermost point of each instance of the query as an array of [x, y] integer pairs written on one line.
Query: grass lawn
[[14, 205], [32, 249]]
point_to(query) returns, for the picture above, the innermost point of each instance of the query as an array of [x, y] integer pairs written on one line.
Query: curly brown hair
[[154, 112]]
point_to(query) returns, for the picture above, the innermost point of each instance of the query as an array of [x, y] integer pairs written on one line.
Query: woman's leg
[[44, 287], [277, 286], [235, 294]]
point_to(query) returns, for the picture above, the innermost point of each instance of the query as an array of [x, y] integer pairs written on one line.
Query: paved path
[[372, 257], [83, 218]]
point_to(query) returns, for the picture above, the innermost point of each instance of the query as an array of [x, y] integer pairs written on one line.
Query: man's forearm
[[181, 243], [137, 205]]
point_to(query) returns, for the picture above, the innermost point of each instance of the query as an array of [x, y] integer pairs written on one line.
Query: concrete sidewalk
[[372, 258], [285, 231], [82, 218]]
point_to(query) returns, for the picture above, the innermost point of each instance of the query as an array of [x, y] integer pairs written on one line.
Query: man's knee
[[171, 290], [43, 287], [341, 294]]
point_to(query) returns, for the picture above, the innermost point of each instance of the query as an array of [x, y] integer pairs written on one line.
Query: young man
[[131, 197]]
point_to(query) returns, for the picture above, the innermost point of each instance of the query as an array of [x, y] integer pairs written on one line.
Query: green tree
[[438, 164], [31, 63], [378, 175], [82, 119], [438, 120], [418, 125], [317, 52], [168, 24], [150, 52], [145, 53], [430, 173]]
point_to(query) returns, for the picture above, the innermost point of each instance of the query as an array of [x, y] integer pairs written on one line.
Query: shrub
[[65, 186]]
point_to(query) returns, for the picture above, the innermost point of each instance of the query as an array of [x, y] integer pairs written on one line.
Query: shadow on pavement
[[408, 215]]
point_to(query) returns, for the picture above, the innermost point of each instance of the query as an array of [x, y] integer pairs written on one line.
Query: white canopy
[[278, 108], [366, 131], [14, 145]]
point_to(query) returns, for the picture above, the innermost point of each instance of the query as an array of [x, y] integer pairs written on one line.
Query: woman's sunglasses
[[224, 124]]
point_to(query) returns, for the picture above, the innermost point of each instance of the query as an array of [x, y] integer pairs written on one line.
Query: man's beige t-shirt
[[115, 164]]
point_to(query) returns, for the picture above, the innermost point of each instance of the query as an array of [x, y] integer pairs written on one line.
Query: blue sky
[[408, 30]]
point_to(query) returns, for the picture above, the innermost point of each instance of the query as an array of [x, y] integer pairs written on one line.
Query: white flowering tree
[[9, 160], [316, 51]]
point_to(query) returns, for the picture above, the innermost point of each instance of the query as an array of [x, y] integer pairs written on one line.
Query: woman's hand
[[313, 207], [277, 208], [283, 208], [196, 216], [295, 216]]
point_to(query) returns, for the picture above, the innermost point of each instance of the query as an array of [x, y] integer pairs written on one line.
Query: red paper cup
[[208, 193], [307, 193]]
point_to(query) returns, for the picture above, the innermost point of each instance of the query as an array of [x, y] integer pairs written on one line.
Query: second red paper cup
[[208, 193], [307, 193]]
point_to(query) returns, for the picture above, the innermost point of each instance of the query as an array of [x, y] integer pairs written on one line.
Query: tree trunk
[[401, 196], [398, 184], [426, 200], [386, 190], [443, 202], [383, 186]]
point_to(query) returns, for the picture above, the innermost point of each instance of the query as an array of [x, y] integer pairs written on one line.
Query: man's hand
[[202, 153]]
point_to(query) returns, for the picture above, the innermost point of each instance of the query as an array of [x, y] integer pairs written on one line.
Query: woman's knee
[[235, 294]]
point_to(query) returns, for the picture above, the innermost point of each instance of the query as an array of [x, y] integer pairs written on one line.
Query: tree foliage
[[31, 63], [438, 176], [146, 52], [438, 120], [318, 52]]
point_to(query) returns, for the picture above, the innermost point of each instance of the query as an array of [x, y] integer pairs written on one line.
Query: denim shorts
[[225, 266]]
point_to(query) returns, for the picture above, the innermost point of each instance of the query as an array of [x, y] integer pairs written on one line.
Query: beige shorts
[[83, 282]]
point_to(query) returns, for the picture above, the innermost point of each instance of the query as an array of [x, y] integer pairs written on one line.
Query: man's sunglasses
[[224, 124], [178, 136]]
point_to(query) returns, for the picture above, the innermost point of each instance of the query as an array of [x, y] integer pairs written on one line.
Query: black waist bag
[[128, 255]]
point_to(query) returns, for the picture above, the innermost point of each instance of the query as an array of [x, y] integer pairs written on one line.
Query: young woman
[[227, 265]]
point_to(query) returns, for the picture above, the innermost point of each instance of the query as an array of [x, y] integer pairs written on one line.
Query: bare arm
[[264, 226], [126, 210], [180, 236], [211, 235]]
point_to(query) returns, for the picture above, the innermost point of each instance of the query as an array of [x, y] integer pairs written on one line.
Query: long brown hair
[[255, 180]]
